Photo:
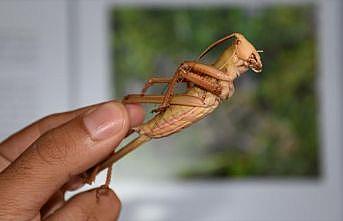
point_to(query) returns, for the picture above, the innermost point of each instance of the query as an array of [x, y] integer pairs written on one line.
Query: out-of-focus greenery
[[269, 126]]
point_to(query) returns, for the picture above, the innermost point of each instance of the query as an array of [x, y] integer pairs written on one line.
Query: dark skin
[[42, 161]]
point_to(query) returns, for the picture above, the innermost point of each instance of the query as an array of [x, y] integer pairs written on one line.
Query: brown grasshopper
[[207, 87]]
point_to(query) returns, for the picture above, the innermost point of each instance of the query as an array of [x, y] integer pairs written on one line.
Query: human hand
[[39, 163]]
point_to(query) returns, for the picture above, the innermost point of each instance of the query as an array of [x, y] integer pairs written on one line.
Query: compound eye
[[253, 55]]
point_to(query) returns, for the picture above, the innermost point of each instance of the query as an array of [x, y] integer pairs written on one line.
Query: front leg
[[206, 70], [158, 80], [170, 91], [193, 72], [204, 83], [155, 80]]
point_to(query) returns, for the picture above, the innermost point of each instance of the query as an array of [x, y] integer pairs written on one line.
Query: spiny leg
[[171, 83], [91, 177], [206, 70], [200, 81], [189, 72], [103, 190], [168, 97], [192, 72], [115, 156], [155, 80], [170, 91], [138, 98], [180, 99]]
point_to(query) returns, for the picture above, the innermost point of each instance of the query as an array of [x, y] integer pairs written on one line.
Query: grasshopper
[[207, 87]]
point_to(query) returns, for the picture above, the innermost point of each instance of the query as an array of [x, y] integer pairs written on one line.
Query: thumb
[[60, 154]]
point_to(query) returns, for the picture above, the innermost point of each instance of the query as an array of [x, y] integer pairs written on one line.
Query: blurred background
[[271, 152]]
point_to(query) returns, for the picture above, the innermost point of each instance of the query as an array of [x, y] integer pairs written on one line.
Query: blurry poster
[[33, 62], [267, 129]]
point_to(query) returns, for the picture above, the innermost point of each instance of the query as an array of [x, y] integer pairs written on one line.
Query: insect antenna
[[213, 45]]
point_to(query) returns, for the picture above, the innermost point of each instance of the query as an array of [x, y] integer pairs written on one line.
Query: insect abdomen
[[175, 118]]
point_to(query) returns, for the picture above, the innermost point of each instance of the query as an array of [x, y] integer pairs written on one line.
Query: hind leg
[[181, 99], [103, 190], [155, 80]]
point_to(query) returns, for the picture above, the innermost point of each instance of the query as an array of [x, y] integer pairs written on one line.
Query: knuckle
[[11, 210], [46, 123]]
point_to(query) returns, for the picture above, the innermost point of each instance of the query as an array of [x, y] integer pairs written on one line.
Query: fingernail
[[105, 121]]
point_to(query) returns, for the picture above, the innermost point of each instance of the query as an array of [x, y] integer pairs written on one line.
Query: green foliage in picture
[[269, 127]]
